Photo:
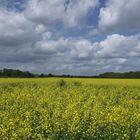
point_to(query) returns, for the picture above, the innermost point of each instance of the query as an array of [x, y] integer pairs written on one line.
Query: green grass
[[72, 108]]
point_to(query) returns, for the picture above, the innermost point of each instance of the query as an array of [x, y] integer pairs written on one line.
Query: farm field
[[69, 109]]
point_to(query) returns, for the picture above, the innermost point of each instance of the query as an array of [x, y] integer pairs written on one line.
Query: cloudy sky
[[78, 37]]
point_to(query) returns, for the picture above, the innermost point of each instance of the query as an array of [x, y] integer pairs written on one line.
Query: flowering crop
[[55, 109]]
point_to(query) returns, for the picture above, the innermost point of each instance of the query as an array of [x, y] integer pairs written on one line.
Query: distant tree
[[120, 75], [50, 75], [42, 75], [15, 73]]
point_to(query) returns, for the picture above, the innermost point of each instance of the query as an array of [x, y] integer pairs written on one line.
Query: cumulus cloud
[[70, 13], [80, 49], [15, 29], [17, 36], [113, 53], [72, 55], [28, 41], [94, 32], [120, 14], [40, 28], [116, 46]]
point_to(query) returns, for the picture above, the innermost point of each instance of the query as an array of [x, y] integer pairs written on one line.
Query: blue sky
[[78, 37]]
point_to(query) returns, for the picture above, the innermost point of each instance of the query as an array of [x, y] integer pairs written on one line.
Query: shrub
[[77, 83], [61, 83]]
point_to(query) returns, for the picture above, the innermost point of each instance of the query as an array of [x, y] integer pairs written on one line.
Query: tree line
[[15, 73], [25, 74], [120, 75]]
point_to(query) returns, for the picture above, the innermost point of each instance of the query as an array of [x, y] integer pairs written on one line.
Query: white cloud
[[120, 14], [113, 53], [82, 49], [77, 10], [122, 60], [45, 11], [50, 12], [51, 46], [94, 32], [40, 28], [15, 29], [74, 49], [27, 39], [117, 46]]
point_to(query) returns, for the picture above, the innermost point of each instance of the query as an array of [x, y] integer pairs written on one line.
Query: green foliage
[[77, 83], [61, 83], [120, 75], [15, 73]]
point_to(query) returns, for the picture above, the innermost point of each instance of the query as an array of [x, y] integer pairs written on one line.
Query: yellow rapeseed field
[[69, 109]]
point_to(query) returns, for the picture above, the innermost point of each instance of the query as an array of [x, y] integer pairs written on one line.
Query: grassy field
[[79, 109]]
